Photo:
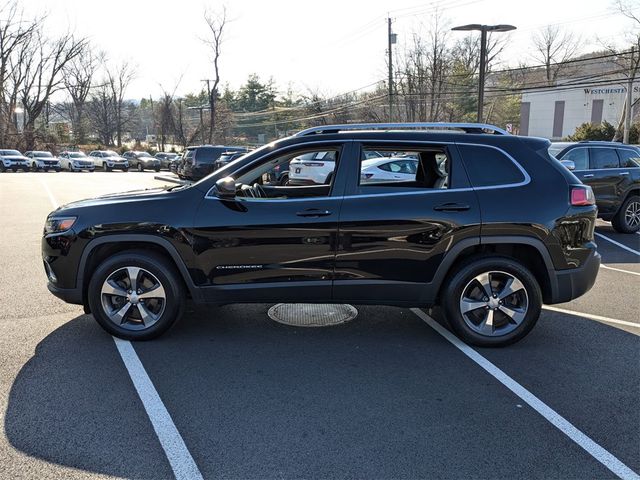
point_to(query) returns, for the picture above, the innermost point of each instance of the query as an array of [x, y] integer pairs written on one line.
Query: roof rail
[[465, 127]]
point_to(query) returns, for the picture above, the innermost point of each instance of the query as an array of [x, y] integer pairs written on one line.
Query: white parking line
[[181, 461], [607, 267], [617, 243], [591, 316], [558, 421], [51, 197]]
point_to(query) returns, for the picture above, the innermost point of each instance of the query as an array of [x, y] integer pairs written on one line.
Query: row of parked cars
[[76, 161]]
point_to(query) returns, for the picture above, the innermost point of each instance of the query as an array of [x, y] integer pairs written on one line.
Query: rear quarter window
[[488, 167], [629, 158], [604, 158]]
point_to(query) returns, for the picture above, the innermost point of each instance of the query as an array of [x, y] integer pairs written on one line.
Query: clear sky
[[331, 46]]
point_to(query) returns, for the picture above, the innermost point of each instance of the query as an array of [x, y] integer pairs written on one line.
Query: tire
[[284, 180], [125, 169], [34, 167], [463, 288], [106, 168], [140, 167], [627, 220], [58, 170], [157, 169], [161, 314]]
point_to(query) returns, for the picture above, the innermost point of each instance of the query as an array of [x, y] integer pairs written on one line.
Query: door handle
[[313, 212], [588, 175], [623, 173], [451, 207]]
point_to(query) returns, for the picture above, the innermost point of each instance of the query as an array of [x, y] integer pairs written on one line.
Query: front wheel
[[106, 168], [627, 220], [157, 169], [136, 295], [140, 167], [492, 302]]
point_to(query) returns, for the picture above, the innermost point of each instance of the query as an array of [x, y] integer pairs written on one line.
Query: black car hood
[[123, 197]]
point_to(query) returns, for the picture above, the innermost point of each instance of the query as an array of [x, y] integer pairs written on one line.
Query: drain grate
[[312, 314]]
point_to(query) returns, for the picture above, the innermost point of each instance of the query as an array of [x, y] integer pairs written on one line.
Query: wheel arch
[[530, 252], [100, 248]]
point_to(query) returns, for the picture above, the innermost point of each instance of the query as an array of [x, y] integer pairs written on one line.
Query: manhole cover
[[312, 314]]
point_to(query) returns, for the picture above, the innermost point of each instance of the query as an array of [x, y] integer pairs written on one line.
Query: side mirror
[[569, 164], [226, 188]]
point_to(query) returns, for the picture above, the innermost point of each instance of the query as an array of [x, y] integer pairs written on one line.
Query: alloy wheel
[[494, 303], [133, 298], [632, 214]]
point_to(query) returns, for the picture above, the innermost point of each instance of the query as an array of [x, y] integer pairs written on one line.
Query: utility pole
[[627, 113], [391, 38]]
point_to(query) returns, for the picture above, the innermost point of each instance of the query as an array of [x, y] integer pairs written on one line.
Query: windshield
[[10, 152], [76, 155], [111, 153], [143, 154], [556, 148], [42, 155]]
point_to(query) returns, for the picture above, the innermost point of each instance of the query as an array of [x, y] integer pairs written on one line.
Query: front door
[[394, 232], [272, 242]]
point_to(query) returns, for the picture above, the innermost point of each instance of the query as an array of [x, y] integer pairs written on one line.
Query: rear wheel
[[136, 295], [627, 220], [140, 167], [492, 302]]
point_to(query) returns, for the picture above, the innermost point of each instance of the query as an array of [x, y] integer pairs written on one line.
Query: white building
[[556, 113]]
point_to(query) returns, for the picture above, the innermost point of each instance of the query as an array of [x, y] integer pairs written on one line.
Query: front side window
[[604, 158], [629, 158], [489, 167], [295, 174], [384, 169], [579, 156]]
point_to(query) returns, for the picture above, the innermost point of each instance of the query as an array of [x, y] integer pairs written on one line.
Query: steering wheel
[[258, 191]]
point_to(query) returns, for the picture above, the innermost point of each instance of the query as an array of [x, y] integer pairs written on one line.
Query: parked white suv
[[13, 160], [41, 160], [109, 160]]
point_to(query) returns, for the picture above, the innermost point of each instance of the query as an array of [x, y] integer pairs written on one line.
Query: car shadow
[[73, 404]]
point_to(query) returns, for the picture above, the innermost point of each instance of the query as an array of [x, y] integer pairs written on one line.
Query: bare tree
[[118, 80], [78, 80], [553, 48], [42, 62], [101, 112], [215, 24], [15, 30]]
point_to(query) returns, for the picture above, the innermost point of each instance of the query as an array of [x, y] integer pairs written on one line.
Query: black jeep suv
[[613, 172], [489, 227]]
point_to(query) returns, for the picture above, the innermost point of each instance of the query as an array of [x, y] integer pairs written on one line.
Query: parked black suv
[[198, 162], [613, 172], [491, 227]]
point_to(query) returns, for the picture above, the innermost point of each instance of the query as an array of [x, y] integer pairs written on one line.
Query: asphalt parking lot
[[228, 393]]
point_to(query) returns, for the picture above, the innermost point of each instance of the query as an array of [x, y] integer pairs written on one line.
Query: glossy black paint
[[391, 249]]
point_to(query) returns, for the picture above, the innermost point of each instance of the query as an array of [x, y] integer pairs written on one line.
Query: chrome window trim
[[526, 181]]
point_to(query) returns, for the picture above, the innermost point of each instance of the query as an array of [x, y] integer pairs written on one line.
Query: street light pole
[[483, 56]]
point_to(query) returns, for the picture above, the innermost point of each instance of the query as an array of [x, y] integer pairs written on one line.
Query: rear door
[[606, 178], [393, 235]]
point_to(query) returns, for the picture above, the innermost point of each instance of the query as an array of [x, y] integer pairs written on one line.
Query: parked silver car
[[75, 162], [109, 160]]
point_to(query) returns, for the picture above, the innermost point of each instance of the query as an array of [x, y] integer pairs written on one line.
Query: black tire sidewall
[[164, 272], [463, 275], [619, 222]]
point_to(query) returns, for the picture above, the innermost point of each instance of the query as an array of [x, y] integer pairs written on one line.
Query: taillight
[[313, 164], [582, 195]]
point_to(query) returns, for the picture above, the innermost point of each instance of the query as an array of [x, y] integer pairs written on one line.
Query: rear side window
[[629, 158], [579, 156], [488, 167], [604, 158]]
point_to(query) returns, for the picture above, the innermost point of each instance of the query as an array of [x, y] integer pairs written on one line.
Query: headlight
[[59, 224]]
